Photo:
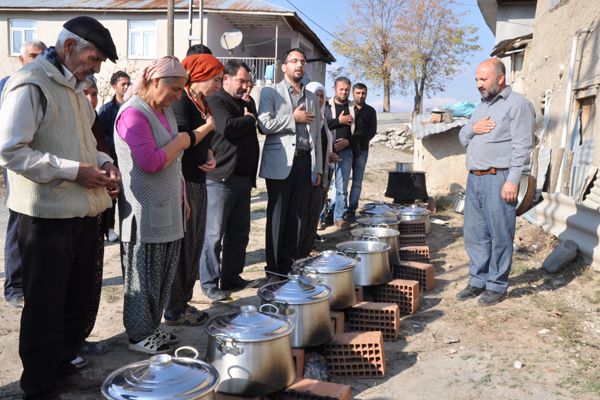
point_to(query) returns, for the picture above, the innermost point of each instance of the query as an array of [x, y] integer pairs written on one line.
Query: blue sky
[[330, 13]]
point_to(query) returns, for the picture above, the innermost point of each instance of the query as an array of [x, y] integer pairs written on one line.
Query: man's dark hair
[[118, 75], [341, 79], [287, 53], [359, 85], [198, 49], [232, 67]]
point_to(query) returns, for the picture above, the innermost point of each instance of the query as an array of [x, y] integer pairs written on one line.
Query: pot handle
[[313, 274], [382, 225], [350, 253], [264, 308], [187, 348], [226, 348], [368, 238]]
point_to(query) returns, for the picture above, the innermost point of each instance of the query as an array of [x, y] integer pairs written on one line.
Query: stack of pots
[[373, 266], [336, 270], [385, 235], [163, 377], [306, 304], [251, 350]]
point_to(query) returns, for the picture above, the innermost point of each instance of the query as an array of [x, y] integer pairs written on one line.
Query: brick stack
[[403, 292], [368, 316], [412, 240], [414, 253], [357, 355], [411, 228], [413, 270]]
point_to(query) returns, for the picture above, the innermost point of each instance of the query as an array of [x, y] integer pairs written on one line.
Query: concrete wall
[[443, 158]]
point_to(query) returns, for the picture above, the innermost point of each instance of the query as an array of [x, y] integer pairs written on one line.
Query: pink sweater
[[134, 129]]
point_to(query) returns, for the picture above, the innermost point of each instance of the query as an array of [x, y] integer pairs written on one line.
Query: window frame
[[153, 47], [12, 30]]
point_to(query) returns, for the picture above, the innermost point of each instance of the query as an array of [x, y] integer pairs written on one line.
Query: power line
[[313, 21]]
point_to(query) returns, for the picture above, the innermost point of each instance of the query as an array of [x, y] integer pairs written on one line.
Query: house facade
[[139, 30]]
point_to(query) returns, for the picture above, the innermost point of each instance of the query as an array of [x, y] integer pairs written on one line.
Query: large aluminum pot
[[381, 209], [252, 352], [458, 205], [335, 270], [306, 304], [385, 235], [384, 221], [416, 213], [163, 377], [374, 265]]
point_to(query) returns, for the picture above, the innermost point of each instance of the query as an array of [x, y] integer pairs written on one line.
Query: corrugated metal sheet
[[237, 5], [423, 128], [561, 216]]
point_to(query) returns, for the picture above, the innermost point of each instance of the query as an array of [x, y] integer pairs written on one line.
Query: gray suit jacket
[[276, 121]]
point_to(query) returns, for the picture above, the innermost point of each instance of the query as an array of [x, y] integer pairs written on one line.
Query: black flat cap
[[93, 31]]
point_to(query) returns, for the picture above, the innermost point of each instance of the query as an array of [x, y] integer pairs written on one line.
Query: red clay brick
[[358, 355], [411, 227], [413, 270], [360, 293], [412, 240], [403, 292], [369, 316], [337, 321], [311, 389], [298, 356], [414, 253]]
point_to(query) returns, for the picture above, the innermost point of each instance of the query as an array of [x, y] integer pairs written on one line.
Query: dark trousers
[[286, 206], [13, 281], [227, 231], [59, 264]]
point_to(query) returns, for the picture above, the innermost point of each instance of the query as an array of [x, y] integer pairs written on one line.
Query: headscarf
[[164, 67], [200, 68], [315, 87]]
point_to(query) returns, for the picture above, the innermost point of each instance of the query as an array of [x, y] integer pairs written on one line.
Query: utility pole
[[170, 28]]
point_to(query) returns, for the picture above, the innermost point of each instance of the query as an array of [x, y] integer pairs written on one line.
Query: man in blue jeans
[[365, 128], [499, 138]]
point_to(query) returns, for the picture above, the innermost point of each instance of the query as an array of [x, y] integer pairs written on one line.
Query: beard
[[491, 93]]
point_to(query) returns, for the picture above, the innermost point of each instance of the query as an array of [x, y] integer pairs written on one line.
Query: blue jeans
[[227, 230], [489, 231], [342, 177], [358, 170]]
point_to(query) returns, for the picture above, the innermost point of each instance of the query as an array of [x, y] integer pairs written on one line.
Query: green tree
[[435, 45], [369, 39]]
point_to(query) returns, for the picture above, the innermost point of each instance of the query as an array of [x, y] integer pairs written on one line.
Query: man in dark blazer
[[291, 159]]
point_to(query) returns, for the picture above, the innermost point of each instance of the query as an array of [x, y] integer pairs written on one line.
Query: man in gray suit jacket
[[291, 159]]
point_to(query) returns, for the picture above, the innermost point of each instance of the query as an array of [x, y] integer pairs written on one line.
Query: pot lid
[[249, 325], [327, 262], [366, 233], [380, 209], [414, 210], [378, 219], [162, 377], [295, 290]]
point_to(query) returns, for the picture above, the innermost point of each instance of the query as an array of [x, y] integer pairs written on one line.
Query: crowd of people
[[178, 139]]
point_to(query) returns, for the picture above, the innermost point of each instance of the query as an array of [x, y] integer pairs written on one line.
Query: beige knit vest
[[65, 131]]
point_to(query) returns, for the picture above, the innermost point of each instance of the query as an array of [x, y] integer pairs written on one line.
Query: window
[[142, 39], [21, 30]]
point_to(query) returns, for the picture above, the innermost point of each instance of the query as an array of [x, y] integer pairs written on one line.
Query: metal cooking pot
[[374, 265], [252, 352], [379, 221], [163, 377], [416, 213], [385, 235], [335, 270], [382, 209], [306, 304]]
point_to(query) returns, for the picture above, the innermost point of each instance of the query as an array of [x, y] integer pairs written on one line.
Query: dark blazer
[[235, 142]]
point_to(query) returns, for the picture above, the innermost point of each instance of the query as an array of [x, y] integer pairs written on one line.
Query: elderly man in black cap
[[59, 183]]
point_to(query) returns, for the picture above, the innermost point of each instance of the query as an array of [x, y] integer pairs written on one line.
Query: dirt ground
[[543, 342]]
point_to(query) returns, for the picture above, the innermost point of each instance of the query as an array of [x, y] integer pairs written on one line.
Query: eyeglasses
[[296, 61]]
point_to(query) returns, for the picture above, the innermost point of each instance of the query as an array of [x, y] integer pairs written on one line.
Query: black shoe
[[469, 292], [215, 294], [320, 238], [239, 284], [350, 217], [274, 278], [489, 298]]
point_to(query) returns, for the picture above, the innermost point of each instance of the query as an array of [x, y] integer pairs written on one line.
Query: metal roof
[[422, 127], [239, 13], [508, 46]]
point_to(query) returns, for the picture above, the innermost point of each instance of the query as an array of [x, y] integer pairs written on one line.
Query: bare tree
[[369, 38], [435, 45]]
